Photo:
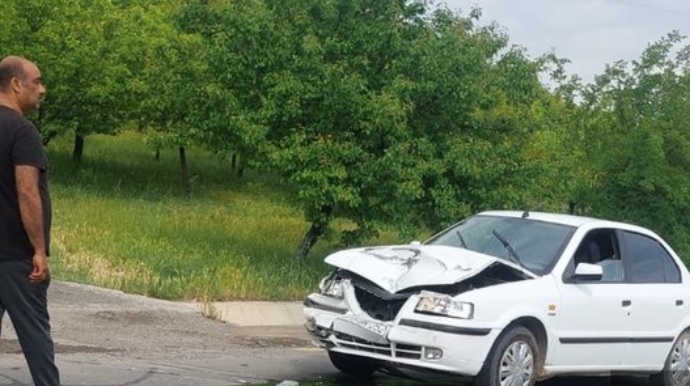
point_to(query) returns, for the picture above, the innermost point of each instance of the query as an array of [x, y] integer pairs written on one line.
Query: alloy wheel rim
[[517, 365], [680, 362]]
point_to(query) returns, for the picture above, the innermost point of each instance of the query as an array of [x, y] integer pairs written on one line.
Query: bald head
[[21, 85], [11, 67]]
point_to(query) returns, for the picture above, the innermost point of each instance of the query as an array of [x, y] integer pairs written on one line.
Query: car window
[[537, 243], [647, 261], [600, 247]]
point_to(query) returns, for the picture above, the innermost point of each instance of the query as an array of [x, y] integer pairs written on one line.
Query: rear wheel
[[677, 368], [512, 360], [352, 365]]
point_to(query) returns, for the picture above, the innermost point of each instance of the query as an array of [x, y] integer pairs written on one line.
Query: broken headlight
[[332, 286], [439, 304]]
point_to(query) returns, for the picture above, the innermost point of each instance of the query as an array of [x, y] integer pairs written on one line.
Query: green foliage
[[81, 60], [375, 113], [170, 73], [239, 41], [106, 63], [312, 102], [638, 140]]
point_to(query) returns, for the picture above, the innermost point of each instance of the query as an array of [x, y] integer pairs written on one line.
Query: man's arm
[[31, 210]]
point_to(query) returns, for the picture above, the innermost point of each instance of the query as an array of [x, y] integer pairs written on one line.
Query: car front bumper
[[411, 340]]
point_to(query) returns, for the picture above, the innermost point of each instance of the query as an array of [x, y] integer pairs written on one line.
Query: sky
[[590, 33]]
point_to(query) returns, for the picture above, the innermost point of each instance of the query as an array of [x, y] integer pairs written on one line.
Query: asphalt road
[[107, 338]]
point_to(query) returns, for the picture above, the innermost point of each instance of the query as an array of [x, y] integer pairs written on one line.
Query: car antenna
[[525, 214]]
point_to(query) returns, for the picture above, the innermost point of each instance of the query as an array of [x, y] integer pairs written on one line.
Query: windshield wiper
[[514, 257], [462, 239]]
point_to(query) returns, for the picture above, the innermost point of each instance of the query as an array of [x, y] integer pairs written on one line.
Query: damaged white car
[[510, 298]]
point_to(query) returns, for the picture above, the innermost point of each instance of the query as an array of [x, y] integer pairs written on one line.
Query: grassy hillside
[[121, 222]]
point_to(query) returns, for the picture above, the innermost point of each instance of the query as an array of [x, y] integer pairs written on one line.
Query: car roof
[[557, 218]]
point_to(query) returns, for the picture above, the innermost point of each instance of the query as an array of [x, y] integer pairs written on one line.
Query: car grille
[[391, 350], [377, 307]]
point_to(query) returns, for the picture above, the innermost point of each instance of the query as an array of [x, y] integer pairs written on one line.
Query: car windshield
[[536, 244]]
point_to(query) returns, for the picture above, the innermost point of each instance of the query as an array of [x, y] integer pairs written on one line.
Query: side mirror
[[588, 272], [416, 242]]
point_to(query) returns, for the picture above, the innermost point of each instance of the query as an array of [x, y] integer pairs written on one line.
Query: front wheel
[[511, 361], [354, 366], [677, 367]]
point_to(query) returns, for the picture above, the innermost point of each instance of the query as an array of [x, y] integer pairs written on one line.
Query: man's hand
[[41, 271]]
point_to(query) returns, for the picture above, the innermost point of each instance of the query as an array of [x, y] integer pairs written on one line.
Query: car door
[[657, 295], [592, 323]]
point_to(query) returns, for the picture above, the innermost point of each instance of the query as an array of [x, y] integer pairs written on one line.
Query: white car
[[510, 298]]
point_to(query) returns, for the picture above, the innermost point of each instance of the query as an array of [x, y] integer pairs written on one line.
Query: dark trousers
[[27, 306]]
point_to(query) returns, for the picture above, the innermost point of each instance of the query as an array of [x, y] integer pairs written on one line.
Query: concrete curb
[[258, 313]]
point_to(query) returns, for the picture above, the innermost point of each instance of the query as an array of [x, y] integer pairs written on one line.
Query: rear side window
[[647, 261]]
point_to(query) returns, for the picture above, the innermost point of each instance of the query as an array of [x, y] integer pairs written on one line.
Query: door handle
[[679, 302], [626, 303]]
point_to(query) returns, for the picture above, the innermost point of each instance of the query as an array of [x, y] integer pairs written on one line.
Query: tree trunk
[[157, 156], [184, 174], [45, 137], [315, 231], [309, 240], [233, 164], [240, 168], [48, 137], [78, 152]]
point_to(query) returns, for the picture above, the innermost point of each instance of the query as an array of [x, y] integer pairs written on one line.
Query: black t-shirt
[[20, 144]]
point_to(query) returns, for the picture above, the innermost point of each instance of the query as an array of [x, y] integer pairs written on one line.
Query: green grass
[[120, 221]]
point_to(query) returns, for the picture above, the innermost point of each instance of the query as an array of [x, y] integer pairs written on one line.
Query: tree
[[338, 126], [81, 57], [171, 79], [639, 140], [491, 129], [241, 49], [306, 89], [377, 111]]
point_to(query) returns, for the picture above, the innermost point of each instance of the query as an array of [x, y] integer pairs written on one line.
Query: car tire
[[677, 367], [512, 360], [354, 366]]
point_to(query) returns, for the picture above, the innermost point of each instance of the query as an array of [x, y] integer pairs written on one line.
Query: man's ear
[[16, 84]]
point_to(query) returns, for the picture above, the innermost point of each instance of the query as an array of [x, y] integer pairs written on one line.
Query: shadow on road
[[384, 380]]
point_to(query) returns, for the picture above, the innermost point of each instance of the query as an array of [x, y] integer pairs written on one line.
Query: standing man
[[25, 217]]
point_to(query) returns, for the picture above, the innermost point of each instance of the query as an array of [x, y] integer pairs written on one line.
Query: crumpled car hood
[[396, 268]]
